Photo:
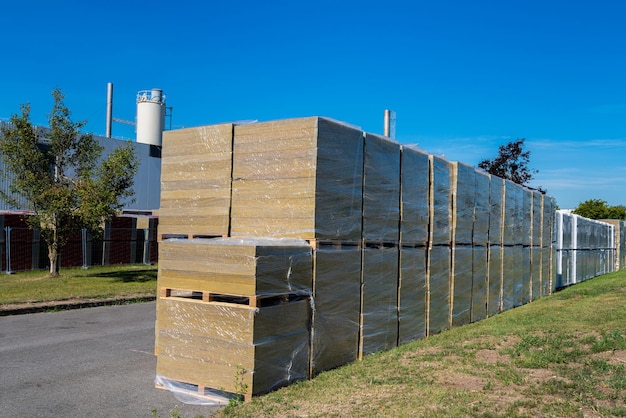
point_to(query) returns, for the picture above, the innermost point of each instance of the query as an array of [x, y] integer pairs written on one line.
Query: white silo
[[150, 116]]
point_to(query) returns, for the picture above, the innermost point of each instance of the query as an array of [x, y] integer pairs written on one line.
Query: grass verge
[[72, 284], [561, 356]]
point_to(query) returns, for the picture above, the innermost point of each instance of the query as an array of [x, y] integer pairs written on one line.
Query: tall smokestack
[[109, 109]]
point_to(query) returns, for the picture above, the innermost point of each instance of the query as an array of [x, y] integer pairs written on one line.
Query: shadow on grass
[[130, 276]]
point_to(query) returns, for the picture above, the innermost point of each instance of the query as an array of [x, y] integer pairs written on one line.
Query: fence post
[[7, 240], [146, 246], [83, 234]]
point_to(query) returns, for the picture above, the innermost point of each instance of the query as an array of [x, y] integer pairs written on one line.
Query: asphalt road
[[95, 362]]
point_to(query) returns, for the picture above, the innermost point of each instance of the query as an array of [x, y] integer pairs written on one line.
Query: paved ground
[[93, 362]]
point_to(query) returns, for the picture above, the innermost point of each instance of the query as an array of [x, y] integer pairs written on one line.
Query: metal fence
[[23, 249]]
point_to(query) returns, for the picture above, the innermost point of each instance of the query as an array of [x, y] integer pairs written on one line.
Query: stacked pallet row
[[390, 245], [585, 248]]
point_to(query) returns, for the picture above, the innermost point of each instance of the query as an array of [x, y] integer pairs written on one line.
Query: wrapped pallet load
[[297, 178]]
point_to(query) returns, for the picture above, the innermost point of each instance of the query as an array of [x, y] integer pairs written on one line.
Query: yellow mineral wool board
[[379, 300], [267, 208], [440, 201], [275, 165], [512, 277], [203, 140], [207, 224], [240, 324], [412, 294], [211, 363], [438, 285], [414, 197], [479, 283], [463, 185], [494, 297], [298, 133], [199, 170], [291, 188], [337, 303], [496, 204], [482, 208], [381, 189], [461, 285], [236, 266]]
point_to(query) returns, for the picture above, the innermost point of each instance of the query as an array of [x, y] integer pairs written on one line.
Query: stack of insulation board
[[297, 178], [390, 245], [227, 303], [196, 167]]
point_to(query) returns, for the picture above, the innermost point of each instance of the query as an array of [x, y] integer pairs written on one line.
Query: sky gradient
[[463, 77]]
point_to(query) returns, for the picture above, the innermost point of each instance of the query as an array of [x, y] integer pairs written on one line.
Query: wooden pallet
[[256, 301]]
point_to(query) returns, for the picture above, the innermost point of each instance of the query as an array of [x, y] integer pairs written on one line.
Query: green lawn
[[95, 282]]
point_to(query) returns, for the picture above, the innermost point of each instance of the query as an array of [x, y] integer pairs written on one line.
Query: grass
[[562, 356], [78, 283]]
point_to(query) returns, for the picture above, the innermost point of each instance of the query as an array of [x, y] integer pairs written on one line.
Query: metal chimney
[[109, 120]]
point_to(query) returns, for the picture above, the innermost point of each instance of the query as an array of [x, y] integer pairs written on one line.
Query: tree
[[511, 163], [599, 209], [59, 179]]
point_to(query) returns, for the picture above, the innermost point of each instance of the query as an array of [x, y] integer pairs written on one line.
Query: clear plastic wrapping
[[414, 205], [297, 178], [441, 201], [412, 294], [381, 189], [337, 305], [379, 296], [196, 166], [463, 179], [438, 289], [479, 282], [461, 284]]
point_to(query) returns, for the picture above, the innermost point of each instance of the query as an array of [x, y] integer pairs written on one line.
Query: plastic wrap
[[479, 283], [494, 297], [526, 217], [441, 201], [244, 267], [496, 202], [461, 284], [196, 180], [526, 279], [463, 179], [381, 189], [482, 208], [536, 218], [412, 294], [337, 304], [535, 273], [297, 178], [512, 277], [379, 300], [546, 271], [513, 218], [414, 201], [438, 314]]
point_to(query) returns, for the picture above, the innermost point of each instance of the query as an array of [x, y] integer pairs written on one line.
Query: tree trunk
[[53, 257]]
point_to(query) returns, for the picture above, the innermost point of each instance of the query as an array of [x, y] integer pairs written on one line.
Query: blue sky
[[462, 76]]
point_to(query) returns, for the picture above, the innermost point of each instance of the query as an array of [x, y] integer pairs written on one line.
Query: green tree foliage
[[599, 209], [511, 163], [59, 179]]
